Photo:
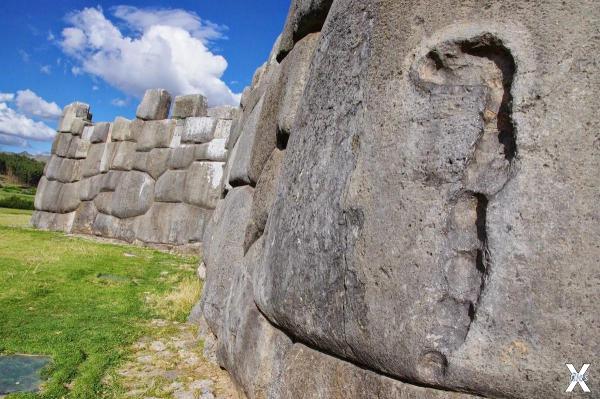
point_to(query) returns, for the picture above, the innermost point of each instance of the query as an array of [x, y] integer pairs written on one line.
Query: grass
[[17, 197], [81, 302]]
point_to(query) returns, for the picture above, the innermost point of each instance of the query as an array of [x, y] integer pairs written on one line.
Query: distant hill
[[40, 157]]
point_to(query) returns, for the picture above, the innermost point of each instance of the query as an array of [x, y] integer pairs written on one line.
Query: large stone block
[[198, 130], [211, 151], [157, 161], [172, 223], [90, 187], [111, 227], [155, 105], [203, 184], [189, 106], [54, 196], [123, 156], [121, 130], [154, 134], [224, 251], [223, 112], [304, 17], [78, 148], [100, 133], [64, 170], [170, 186], [133, 195], [74, 118], [223, 128], [242, 160], [53, 221], [84, 218], [331, 378], [181, 157], [62, 144], [264, 197], [98, 159]]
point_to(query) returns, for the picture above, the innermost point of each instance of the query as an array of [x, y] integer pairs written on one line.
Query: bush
[[16, 202]]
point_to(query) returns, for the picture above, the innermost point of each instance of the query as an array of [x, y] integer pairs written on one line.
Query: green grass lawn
[[12, 196], [81, 302]]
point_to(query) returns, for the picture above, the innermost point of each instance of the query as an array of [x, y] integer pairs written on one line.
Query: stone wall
[[152, 180], [411, 205]]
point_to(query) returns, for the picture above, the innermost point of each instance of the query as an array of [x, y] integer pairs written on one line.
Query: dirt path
[[168, 363]]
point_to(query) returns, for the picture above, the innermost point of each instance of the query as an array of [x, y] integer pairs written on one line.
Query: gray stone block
[[211, 151], [78, 148], [54, 196], [64, 170], [74, 118], [157, 161], [181, 157], [198, 130], [153, 134], [98, 159], [123, 155], [133, 195], [170, 186], [189, 106], [103, 203], [203, 184], [53, 221], [84, 218], [90, 187], [155, 105], [61, 144], [112, 227], [223, 129], [242, 157], [223, 112], [171, 223], [121, 130], [101, 133]]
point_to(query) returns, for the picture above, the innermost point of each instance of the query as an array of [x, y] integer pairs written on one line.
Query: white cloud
[[119, 102], [24, 55], [76, 71], [95, 88], [19, 126], [33, 105], [13, 140], [167, 49], [46, 69], [5, 97]]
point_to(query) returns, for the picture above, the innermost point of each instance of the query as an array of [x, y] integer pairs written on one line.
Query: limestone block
[[177, 133], [304, 17], [109, 181], [189, 106], [121, 130], [170, 186], [74, 118], [182, 157], [103, 202], [154, 134], [53, 221], [87, 133], [78, 148], [330, 377], [295, 69], [155, 105], [100, 133], [54, 196], [61, 144], [203, 184], [174, 223], [241, 163], [223, 112], [112, 227], [84, 218], [243, 327], [90, 187], [123, 155], [64, 170], [224, 251], [223, 129], [264, 197], [98, 159], [211, 151], [198, 130], [157, 161], [133, 195]]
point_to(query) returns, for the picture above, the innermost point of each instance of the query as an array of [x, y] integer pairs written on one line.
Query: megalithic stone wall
[[411, 205], [153, 180]]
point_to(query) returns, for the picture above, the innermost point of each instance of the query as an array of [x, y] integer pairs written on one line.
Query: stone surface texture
[[411, 204], [130, 180]]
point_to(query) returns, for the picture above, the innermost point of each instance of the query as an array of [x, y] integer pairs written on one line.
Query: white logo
[[578, 378]]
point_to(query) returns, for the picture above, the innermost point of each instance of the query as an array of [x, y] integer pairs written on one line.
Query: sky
[[107, 53]]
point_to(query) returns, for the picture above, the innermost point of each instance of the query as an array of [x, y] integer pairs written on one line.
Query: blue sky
[[106, 53]]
